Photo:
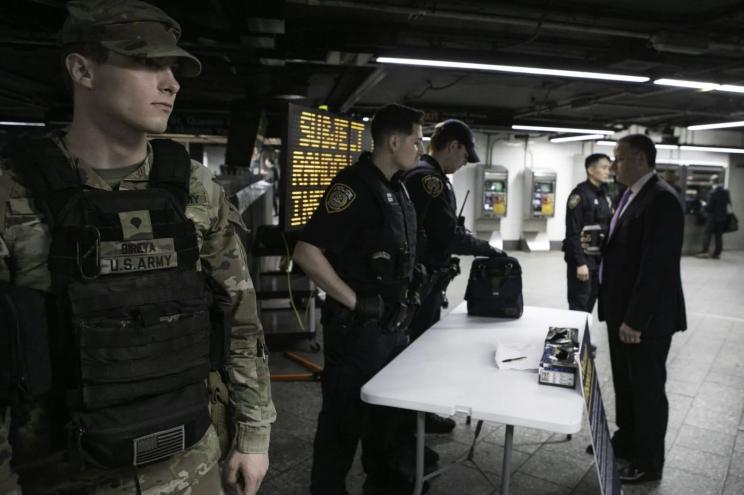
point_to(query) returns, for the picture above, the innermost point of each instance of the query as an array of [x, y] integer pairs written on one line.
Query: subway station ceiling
[[324, 52]]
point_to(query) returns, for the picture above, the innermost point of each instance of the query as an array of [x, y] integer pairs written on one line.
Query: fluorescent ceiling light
[[702, 85], [426, 138], [582, 137], [26, 124], [680, 83], [365, 119], [720, 125], [561, 129], [703, 163], [731, 88], [658, 146], [714, 149], [511, 68]]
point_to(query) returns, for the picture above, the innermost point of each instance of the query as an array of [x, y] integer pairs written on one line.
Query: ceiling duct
[[683, 43]]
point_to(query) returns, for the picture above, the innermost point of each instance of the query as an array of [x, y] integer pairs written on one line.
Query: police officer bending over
[[588, 207], [359, 247], [451, 147], [108, 244]]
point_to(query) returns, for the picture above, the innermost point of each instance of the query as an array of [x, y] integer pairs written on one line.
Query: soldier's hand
[[369, 307], [582, 273], [245, 472]]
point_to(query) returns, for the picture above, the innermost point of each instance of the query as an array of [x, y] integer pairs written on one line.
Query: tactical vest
[[430, 256], [130, 327], [381, 260]]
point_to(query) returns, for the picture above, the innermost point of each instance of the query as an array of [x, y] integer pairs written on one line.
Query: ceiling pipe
[[499, 19]]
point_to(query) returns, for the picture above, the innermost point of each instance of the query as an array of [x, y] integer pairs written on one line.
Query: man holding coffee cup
[[588, 215]]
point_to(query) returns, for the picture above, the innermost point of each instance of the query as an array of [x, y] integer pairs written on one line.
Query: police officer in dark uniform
[[359, 247], [588, 212], [443, 234]]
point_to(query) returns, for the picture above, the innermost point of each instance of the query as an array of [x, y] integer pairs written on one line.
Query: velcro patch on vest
[[136, 225], [339, 198], [137, 256], [432, 185], [574, 200]]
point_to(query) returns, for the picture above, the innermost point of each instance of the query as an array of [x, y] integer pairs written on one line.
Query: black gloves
[[369, 307]]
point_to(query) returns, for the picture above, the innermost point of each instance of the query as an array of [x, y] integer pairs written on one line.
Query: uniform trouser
[[582, 295], [353, 354], [641, 407], [427, 314], [193, 472], [715, 230]]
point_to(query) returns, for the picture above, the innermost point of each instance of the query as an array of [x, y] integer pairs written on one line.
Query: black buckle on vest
[[91, 248]]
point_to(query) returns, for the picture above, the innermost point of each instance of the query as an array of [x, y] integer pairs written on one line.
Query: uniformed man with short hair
[[588, 205], [359, 247], [118, 239]]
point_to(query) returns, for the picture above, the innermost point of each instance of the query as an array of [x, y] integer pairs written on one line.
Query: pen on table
[[513, 359]]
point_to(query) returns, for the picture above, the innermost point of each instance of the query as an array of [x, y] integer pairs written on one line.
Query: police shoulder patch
[[574, 200], [433, 185], [339, 198]]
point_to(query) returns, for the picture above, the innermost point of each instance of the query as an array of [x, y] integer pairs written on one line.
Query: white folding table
[[451, 369]]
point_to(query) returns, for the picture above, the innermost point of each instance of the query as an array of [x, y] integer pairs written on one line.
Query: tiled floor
[[705, 439]]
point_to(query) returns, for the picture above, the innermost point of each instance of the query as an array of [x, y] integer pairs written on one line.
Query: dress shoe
[[716, 256], [390, 484], [632, 475], [702, 255], [438, 424]]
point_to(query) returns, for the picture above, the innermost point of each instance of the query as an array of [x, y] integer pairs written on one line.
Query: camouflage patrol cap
[[128, 27]]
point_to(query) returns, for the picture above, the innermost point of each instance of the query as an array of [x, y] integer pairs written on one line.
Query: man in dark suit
[[641, 300], [716, 209]]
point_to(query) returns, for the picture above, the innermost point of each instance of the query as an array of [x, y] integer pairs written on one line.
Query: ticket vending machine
[[491, 195], [540, 194]]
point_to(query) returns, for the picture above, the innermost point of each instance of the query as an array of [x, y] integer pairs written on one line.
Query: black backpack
[[495, 288]]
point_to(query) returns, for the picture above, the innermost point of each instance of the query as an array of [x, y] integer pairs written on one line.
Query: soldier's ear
[[80, 69]]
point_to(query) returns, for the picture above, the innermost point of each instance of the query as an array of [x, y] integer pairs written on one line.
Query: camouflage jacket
[[24, 247]]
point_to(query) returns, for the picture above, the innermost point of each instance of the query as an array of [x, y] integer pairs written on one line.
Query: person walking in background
[[716, 209]]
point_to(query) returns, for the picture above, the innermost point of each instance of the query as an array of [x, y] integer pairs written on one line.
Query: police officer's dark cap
[[457, 130], [128, 27]]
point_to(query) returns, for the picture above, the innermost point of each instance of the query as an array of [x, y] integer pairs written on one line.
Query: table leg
[[506, 468], [419, 453]]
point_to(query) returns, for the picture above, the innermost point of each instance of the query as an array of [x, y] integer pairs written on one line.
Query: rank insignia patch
[[339, 198], [432, 185], [574, 201]]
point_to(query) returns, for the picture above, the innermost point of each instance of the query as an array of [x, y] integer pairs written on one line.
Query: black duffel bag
[[495, 287]]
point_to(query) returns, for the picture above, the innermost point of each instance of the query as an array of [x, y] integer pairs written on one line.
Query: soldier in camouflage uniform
[[123, 90]]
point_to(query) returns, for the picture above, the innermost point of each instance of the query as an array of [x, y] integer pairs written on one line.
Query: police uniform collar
[[594, 188], [365, 160], [430, 160]]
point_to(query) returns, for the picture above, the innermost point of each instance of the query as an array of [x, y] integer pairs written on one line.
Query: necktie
[[619, 210], [613, 222]]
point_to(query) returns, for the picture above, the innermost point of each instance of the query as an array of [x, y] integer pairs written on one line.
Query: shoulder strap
[[43, 169], [171, 169]]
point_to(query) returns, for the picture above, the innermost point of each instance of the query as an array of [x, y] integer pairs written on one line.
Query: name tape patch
[[137, 256]]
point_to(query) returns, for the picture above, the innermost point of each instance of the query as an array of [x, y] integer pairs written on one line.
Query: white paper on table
[[509, 350]]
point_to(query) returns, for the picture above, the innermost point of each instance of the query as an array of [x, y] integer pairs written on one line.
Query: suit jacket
[[641, 281], [718, 199]]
